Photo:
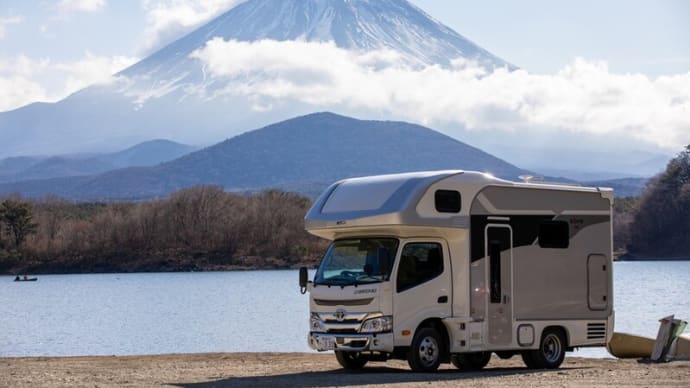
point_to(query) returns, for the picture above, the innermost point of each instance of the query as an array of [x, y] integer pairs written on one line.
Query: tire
[[426, 350], [505, 355], [551, 352], [527, 359], [351, 360], [471, 361]]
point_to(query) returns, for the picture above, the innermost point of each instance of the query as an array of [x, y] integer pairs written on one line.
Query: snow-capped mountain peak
[[351, 24]]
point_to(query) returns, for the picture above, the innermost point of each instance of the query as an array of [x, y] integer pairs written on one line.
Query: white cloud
[[168, 19], [6, 21], [70, 6], [24, 80], [584, 97], [91, 70]]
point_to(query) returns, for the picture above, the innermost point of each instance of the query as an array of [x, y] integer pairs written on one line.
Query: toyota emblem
[[339, 315]]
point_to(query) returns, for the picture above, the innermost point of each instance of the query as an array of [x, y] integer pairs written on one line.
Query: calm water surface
[[127, 314]]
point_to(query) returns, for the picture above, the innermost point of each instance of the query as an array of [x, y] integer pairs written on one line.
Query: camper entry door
[[499, 243]]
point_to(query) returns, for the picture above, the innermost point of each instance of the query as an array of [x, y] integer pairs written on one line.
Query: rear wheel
[[425, 352], [527, 359], [551, 352], [351, 360], [471, 361]]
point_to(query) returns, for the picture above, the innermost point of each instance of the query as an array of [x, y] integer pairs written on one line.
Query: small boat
[[624, 345], [25, 279]]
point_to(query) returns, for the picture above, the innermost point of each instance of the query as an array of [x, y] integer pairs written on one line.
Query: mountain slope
[[149, 153], [302, 154], [351, 24], [169, 94]]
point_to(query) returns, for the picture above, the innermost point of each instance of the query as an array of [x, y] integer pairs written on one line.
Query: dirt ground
[[320, 370]]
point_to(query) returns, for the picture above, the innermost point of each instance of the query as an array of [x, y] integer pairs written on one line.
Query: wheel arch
[[562, 329], [440, 327]]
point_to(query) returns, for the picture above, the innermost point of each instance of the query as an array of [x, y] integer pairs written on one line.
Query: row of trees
[[16, 223], [661, 221], [197, 228]]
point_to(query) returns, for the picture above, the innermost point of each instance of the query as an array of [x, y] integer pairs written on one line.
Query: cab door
[[421, 287]]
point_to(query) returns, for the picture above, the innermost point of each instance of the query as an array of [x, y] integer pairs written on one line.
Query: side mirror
[[303, 279]]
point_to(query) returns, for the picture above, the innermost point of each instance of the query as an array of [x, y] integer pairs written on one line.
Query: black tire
[[551, 352], [527, 359], [471, 361], [505, 355], [426, 350], [351, 360]]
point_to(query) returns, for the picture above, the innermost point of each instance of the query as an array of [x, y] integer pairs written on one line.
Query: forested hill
[[661, 224]]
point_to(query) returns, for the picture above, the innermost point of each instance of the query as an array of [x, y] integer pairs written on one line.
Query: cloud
[[65, 7], [91, 70], [6, 21], [584, 97], [169, 19], [24, 80]]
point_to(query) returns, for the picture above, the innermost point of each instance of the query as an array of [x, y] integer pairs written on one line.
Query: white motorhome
[[452, 266]]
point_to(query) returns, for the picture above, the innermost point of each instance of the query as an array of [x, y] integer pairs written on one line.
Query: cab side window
[[419, 263]]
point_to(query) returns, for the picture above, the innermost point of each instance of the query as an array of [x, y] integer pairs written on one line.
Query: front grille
[[350, 302], [596, 331], [341, 331], [344, 321]]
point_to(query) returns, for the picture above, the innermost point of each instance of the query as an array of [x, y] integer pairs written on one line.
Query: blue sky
[[51, 48], [647, 36]]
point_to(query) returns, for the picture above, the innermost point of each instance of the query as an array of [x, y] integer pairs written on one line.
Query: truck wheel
[[551, 351], [527, 359], [425, 352], [471, 361], [351, 360]]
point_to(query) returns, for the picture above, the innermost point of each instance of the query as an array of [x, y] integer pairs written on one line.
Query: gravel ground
[[320, 370]]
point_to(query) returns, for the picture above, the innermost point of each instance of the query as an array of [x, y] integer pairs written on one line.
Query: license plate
[[327, 343]]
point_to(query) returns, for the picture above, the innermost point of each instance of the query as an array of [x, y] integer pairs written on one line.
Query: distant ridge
[[149, 153], [303, 154]]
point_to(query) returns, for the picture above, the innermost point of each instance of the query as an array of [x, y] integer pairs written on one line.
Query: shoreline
[[246, 268], [317, 370]]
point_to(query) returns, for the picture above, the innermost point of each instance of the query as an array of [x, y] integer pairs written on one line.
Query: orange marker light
[[406, 333]]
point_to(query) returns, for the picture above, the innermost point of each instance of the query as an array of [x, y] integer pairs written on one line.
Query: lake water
[[257, 311]]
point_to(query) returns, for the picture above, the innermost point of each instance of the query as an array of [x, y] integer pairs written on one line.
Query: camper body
[[452, 266]]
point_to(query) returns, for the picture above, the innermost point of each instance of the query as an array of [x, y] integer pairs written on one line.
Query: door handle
[[505, 299], [443, 299]]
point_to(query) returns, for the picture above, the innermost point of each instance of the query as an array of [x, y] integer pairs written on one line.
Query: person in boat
[[26, 277], [16, 279]]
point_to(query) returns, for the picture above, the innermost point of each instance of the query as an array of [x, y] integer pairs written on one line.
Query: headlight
[[377, 325], [315, 324]]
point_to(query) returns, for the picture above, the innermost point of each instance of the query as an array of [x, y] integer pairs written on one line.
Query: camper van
[[453, 266]]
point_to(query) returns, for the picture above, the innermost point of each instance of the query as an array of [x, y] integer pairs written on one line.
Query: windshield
[[357, 261]]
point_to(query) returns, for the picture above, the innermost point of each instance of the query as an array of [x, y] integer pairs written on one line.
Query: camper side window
[[419, 263], [554, 234], [447, 201]]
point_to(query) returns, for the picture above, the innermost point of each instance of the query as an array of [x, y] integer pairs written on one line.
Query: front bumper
[[379, 342]]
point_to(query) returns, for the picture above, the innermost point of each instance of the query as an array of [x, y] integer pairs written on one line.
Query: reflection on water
[[119, 314]]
